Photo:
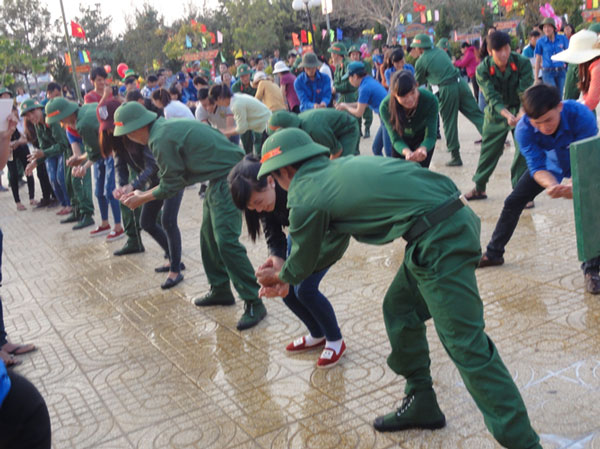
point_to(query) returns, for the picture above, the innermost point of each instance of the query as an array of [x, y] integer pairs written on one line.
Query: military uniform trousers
[[251, 142], [223, 256], [437, 279], [495, 131], [80, 192], [456, 96]]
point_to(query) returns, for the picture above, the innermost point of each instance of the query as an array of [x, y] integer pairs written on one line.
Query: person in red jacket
[[469, 63]]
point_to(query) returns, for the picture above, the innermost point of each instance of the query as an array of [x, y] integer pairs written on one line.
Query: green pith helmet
[[286, 147], [422, 41], [444, 44], [548, 21], [59, 108], [282, 119], [132, 116], [29, 105], [310, 60], [4, 90], [128, 73], [244, 69], [338, 48], [354, 48]]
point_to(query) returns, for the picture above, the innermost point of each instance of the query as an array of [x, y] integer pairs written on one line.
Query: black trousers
[[525, 190], [19, 155], [24, 419]]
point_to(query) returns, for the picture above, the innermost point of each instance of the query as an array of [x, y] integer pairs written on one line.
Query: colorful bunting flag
[[310, 38], [429, 17], [67, 59], [595, 4], [331, 36], [423, 19], [303, 37], [436, 15], [401, 18], [188, 42], [219, 38], [203, 28], [213, 38], [203, 42], [295, 40], [340, 34], [409, 18], [323, 34]]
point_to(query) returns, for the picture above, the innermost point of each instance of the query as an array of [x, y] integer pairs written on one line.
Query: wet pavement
[[124, 364]]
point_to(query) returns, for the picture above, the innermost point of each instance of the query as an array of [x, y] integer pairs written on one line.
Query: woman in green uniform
[[188, 152], [410, 115]]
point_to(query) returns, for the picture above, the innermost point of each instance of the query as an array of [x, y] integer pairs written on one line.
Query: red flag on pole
[[76, 30]]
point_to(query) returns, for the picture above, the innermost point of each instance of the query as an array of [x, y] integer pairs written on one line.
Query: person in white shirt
[[171, 108], [214, 115]]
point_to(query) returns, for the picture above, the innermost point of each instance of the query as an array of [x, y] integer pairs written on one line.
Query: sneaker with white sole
[[100, 230], [115, 235], [329, 358]]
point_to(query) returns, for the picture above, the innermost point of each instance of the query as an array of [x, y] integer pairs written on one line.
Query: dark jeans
[[475, 87], [312, 307], [19, 155], [3, 335], [168, 237], [525, 190], [382, 140], [45, 185], [56, 174], [24, 419], [555, 78]]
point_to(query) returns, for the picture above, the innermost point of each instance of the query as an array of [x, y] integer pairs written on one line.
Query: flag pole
[[73, 64]]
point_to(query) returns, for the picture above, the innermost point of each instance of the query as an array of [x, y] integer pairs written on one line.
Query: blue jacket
[[551, 153], [4, 383], [312, 91]]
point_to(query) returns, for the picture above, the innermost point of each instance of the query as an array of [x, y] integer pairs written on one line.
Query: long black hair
[[402, 83], [242, 182]]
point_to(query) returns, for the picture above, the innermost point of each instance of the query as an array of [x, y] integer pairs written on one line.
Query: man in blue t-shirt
[[553, 72], [544, 134], [370, 94]]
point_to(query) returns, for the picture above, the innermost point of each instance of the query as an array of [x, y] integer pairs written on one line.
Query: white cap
[[280, 66]]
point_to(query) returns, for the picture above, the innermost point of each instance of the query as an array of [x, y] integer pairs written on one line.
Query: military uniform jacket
[[504, 89], [435, 67], [188, 152], [239, 88], [88, 127], [52, 140], [348, 93], [325, 126], [375, 200]]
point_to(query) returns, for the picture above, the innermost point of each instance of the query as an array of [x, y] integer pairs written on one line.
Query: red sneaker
[[115, 235], [299, 345], [100, 230], [329, 358]]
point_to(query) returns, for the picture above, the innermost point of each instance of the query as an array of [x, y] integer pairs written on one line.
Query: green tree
[[27, 22], [98, 39], [144, 38]]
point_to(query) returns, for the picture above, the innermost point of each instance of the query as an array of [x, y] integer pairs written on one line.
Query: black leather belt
[[430, 219], [553, 69]]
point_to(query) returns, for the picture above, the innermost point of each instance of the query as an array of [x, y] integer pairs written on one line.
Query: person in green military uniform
[[435, 67], [503, 76], [188, 152], [444, 44], [250, 139], [410, 115], [52, 143], [355, 55], [80, 124], [360, 197], [336, 130]]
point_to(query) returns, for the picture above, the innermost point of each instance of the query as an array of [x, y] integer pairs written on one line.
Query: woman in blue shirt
[[398, 64]]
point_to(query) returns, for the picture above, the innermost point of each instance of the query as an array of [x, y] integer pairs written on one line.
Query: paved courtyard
[[124, 364]]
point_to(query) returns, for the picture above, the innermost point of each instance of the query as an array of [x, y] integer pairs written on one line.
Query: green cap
[[443, 43], [338, 48], [422, 41], [4, 90], [205, 73], [29, 105], [354, 48], [310, 60], [282, 119], [132, 116], [286, 147], [244, 69], [595, 27], [59, 108], [128, 73], [354, 68], [548, 21]]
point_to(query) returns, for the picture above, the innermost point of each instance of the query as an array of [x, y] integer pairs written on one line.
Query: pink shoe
[[329, 358], [299, 345], [115, 235], [100, 230]]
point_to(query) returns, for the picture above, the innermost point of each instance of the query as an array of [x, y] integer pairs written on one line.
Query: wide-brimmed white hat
[[583, 47], [280, 66]]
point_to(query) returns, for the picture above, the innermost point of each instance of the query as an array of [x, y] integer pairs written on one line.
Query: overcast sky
[[118, 9]]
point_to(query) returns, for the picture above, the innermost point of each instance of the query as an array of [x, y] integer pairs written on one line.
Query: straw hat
[[583, 46]]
